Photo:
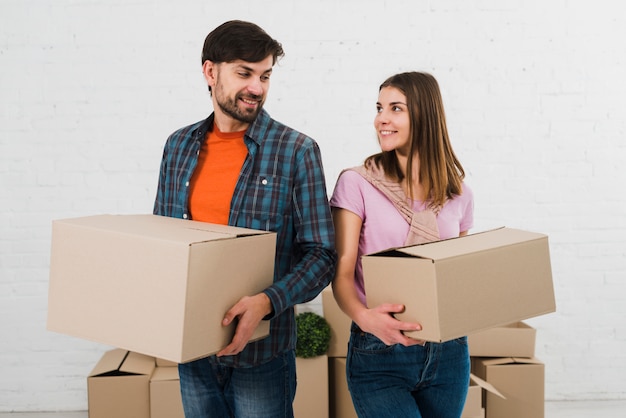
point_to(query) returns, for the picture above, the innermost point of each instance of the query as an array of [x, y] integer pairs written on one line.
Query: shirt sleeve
[[314, 245], [159, 201], [467, 219], [348, 193]]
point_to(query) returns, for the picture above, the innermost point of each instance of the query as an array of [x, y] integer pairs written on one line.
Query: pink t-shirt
[[383, 226]]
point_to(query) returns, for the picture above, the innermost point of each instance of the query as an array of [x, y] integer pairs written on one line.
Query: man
[[241, 167]]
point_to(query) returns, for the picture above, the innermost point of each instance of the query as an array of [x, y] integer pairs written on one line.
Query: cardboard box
[[479, 414], [519, 380], [119, 385], [340, 400], [165, 398], [473, 403], [463, 285], [512, 340], [312, 390], [474, 400], [152, 284], [339, 325]]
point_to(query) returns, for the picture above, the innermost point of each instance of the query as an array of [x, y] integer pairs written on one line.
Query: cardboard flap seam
[[226, 236], [485, 385]]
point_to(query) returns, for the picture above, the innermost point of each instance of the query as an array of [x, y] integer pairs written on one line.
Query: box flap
[[519, 325], [233, 231], [109, 362], [458, 246], [136, 363], [218, 229], [160, 228], [472, 243], [523, 360], [498, 361], [510, 360], [167, 373], [485, 385]]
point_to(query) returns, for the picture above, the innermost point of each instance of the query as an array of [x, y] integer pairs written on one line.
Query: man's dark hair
[[239, 40]]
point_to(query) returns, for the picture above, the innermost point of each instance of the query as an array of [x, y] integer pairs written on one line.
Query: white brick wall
[[535, 97]]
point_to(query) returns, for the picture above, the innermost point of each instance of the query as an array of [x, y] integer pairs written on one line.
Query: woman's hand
[[381, 322]]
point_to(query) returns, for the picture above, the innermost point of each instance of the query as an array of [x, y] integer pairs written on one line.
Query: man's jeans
[[428, 381], [265, 391]]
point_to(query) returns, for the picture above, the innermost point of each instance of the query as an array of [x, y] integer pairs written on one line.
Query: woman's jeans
[[428, 381], [265, 391]]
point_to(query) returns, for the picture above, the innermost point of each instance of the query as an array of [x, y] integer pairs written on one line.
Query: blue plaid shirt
[[281, 188]]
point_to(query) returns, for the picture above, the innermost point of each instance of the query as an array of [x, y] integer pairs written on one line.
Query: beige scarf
[[423, 224]]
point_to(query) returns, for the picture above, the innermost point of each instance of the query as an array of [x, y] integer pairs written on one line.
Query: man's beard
[[229, 107]]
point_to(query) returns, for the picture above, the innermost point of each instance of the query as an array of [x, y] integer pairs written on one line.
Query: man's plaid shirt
[[281, 188]]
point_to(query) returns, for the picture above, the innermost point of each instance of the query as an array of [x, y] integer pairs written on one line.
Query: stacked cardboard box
[[340, 402], [505, 358], [119, 385], [312, 389], [165, 398], [474, 401], [125, 384]]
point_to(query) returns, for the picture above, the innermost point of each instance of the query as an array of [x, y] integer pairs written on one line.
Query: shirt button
[[264, 182]]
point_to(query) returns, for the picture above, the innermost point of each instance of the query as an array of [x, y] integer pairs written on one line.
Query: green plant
[[313, 334]]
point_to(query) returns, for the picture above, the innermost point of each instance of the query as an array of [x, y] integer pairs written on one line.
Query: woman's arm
[[379, 320]]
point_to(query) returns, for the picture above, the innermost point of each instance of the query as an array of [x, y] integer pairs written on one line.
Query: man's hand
[[249, 311]]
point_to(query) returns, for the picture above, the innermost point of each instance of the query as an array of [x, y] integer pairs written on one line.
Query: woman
[[411, 192]]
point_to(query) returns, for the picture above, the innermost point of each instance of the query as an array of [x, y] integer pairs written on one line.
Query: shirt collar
[[256, 131]]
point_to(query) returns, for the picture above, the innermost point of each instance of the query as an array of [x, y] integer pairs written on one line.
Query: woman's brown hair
[[440, 171]]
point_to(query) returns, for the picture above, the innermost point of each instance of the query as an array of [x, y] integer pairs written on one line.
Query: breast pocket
[[267, 202]]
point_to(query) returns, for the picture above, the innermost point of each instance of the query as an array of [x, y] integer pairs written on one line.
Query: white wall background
[[536, 103]]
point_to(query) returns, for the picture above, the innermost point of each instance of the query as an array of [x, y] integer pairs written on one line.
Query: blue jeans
[[264, 391], [428, 381]]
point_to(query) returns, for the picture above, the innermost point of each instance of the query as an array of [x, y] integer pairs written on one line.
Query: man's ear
[[209, 70]]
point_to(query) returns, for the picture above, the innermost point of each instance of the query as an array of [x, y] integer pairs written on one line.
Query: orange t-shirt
[[213, 182]]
